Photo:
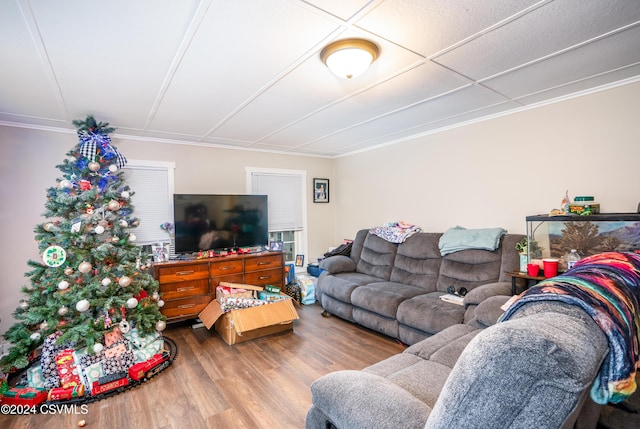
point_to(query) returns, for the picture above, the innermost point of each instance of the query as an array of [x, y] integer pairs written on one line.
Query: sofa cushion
[[338, 264], [383, 297], [429, 313], [340, 286], [376, 258], [356, 399], [527, 372], [469, 269], [417, 261], [490, 310]]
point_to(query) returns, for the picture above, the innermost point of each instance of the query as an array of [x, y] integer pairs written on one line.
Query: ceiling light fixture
[[349, 57]]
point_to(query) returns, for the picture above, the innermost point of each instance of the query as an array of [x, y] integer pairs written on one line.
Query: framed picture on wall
[[320, 190]]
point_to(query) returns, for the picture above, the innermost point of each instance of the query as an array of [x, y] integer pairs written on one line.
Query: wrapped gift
[[67, 369], [48, 360], [24, 396], [144, 347], [92, 373], [113, 337], [35, 377]]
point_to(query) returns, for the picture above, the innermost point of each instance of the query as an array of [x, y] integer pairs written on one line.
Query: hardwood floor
[[263, 383]]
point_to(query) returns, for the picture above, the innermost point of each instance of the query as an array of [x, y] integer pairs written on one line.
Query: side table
[[522, 275]]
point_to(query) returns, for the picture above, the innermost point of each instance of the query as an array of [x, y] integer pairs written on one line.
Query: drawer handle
[[264, 277], [226, 268], [184, 289], [184, 273], [187, 306], [264, 263]]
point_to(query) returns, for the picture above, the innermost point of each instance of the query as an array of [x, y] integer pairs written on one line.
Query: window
[[152, 183], [286, 193]]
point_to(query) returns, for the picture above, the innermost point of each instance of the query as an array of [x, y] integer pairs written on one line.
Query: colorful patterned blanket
[[607, 287]]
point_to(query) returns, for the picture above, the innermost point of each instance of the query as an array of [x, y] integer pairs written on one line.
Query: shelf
[[593, 218]]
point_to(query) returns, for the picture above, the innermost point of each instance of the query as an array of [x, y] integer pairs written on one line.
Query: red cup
[[550, 267], [533, 270]]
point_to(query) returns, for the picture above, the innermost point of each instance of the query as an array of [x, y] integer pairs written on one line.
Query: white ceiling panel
[[593, 59], [26, 87], [247, 74], [427, 27], [545, 31]]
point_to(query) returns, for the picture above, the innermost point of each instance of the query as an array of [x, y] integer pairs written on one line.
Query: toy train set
[[102, 388]]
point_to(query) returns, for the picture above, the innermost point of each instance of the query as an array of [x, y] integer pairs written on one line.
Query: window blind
[[284, 199], [153, 199]]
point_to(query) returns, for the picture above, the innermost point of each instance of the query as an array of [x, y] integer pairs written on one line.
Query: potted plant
[[522, 248]]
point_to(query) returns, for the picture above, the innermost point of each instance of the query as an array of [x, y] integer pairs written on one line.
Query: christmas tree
[[91, 279]]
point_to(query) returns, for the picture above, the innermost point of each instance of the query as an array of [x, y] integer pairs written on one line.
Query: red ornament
[[141, 295], [85, 185]]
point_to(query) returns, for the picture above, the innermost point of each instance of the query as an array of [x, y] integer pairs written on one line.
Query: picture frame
[[275, 246], [320, 190], [299, 260]]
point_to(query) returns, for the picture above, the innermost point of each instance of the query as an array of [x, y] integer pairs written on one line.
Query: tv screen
[[205, 222]]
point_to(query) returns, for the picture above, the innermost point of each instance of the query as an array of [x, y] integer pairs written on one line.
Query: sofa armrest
[[356, 399], [479, 294], [338, 264]]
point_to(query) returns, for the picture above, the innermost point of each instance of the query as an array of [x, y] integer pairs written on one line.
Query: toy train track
[[115, 384]]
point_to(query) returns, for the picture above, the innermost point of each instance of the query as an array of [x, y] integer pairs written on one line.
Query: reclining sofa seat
[[395, 289]]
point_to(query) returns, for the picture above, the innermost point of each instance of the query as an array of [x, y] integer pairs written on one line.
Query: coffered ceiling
[[248, 74]]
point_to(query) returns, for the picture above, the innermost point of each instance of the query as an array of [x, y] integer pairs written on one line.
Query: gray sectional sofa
[[395, 289], [532, 371]]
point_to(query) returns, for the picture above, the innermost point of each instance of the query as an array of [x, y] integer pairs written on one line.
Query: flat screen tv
[[219, 222]]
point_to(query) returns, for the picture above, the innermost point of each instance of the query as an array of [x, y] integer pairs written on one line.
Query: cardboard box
[[246, 324]]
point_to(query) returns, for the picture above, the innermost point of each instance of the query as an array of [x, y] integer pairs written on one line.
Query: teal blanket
[[459, 238]]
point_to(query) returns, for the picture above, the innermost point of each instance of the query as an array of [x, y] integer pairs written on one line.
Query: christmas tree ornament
[[94, 166], [89, 209], [106, 281], [44, 325], [155, 296], [68, 271], [161, 325], [63, 285], [98, 347], [125, 194], [160, 303], [113, 205], [124, 281], [84, 185], [84, 267], [24, 305], [113, 168], [99, 229], [115, 239], [132, 237], [66, 184], [132, 302], [124, 326], [62, 311], [36, 336], [49, 226], [123, 223], [82, 305], [54, 256]]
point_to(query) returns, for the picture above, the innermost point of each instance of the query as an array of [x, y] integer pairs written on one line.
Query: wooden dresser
[[188, 286]]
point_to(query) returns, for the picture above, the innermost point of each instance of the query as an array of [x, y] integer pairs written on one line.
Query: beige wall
[[492, 173], [495, 173]]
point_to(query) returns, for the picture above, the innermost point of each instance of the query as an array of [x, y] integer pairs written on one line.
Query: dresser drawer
[[263, 263], [224, 268], [235, 278], [185, 307], [266, 277], [183, 273], [182, 289]]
